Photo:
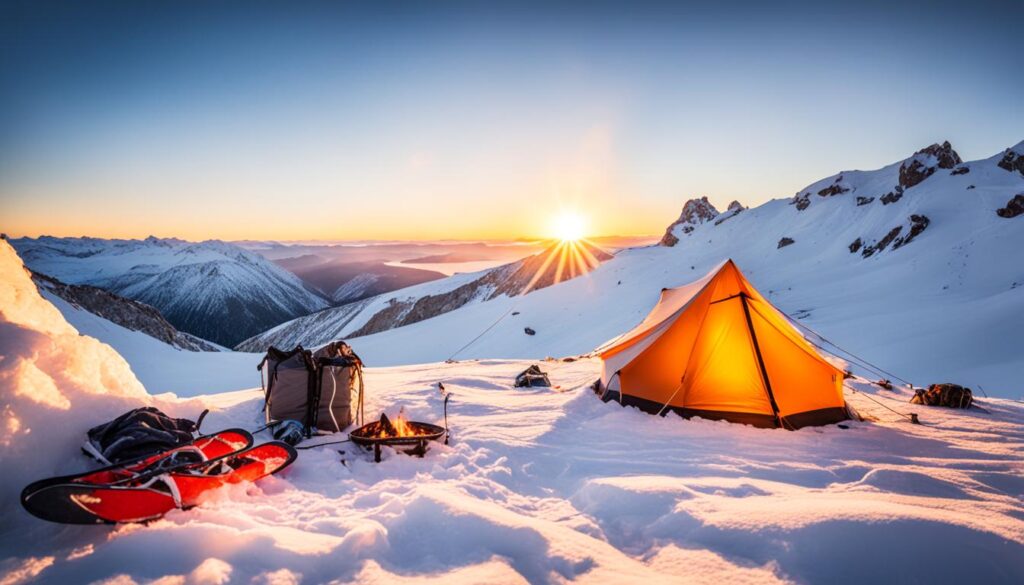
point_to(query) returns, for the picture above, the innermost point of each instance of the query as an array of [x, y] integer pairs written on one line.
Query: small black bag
[[138, 433], [531, 377]]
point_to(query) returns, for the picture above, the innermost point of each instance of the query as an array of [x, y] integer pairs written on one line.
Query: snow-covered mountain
[[558, 263], [696, 212], [214, 290], [915, 266], [129, 314], [356, 288]]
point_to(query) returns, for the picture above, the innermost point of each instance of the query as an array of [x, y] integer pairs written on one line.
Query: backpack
[[321, 390]]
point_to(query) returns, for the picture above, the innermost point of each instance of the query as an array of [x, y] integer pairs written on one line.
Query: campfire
[[400, 433], [385, 428]]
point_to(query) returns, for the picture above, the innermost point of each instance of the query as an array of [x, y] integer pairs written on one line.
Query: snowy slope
[[324, 326], [537, 486], [355, 288], [161, 367], [212, 289], [946, 305]]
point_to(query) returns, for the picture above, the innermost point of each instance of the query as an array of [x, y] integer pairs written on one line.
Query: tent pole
[[760, 361]]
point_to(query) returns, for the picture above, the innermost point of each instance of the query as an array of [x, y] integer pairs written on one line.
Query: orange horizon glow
[[310, 237], [421, 199], [215, 221]]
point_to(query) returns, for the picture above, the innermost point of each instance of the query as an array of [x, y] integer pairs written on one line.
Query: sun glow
[[568, 226]]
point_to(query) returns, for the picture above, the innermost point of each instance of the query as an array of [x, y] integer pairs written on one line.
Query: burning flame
[[399, 427]]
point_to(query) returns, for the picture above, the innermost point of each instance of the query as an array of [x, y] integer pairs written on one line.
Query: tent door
[[760, 359]]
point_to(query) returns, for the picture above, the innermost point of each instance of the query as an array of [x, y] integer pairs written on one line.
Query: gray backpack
[[322, 390]]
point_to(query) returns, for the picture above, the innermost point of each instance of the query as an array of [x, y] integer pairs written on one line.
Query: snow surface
[[537, 485], [161, 367]]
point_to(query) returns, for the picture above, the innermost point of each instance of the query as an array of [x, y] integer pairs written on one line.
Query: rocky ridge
[[127, 313]]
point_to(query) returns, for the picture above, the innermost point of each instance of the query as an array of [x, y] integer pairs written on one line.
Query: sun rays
[[565, 260]]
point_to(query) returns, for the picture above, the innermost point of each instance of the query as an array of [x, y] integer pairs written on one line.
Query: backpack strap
[[312, 392], [362, 416], [271, 378]]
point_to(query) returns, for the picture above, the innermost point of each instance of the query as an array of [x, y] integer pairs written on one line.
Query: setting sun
[[568, 226]]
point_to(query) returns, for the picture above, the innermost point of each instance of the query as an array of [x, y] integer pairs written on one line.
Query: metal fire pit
[[366, 436]]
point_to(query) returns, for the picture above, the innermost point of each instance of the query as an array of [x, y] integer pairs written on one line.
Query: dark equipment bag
[[138, 433], [322, 390], [531, 377], [949, 395]]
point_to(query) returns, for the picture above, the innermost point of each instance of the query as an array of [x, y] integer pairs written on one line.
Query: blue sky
[[400, 120]]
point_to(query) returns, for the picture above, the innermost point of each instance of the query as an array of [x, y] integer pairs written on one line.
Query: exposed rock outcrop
[[882, 244], [892, 196], [1014, 207], [960, 170], [836, 188], [801, 200], [695, 212], [1013, 159], [916, 225], [734, 209], [924, 162], [864, 200], [785, 242]]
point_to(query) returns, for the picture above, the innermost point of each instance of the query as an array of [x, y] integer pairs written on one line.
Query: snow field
[[547, 486]]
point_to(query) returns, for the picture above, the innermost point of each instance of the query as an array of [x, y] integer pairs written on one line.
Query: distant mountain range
[[557, 263], [212, 290]]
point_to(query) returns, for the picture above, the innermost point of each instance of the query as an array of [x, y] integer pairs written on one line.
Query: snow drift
[[55, 384]]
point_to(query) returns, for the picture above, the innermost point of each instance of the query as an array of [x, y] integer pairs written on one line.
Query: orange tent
[[717, 349]]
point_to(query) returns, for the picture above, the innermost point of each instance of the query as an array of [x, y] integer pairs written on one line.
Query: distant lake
[[450, 268]]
